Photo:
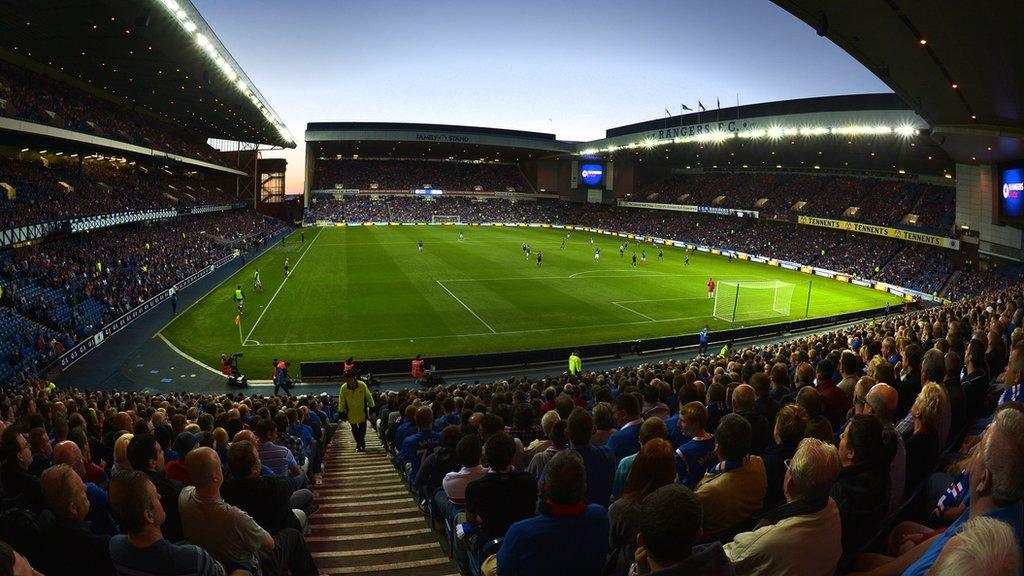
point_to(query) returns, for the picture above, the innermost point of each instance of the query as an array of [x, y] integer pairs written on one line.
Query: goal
[[743, 300], [442, 219]]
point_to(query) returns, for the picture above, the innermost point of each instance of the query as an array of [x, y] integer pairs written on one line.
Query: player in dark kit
[[634, 258], [540, 256], [661, 253]]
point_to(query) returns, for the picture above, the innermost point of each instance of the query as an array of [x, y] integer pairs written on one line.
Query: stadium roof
[[158, 55], [959, 65]]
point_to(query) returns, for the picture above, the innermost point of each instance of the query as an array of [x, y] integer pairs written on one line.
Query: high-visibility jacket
[[417, 368], [575, 364], [355, 401]]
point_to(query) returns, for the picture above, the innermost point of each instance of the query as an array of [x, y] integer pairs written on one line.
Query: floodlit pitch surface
[[368, 292]]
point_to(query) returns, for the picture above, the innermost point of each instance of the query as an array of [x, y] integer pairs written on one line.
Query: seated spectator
[[599, 461], [440, 462], [627, 440], [278, 458], [559, 440], [604, 422], [415, 445], [743, 398], [453, 494], [146, 456], [862, 489], [450, 418], [650, 429], [19, 485], [695, 457], [547, 422], [568, 536], [121, 453], [228, 533], [175, 469], [778, 543], [995, 472], [818, 426], [923, 446], [270, 500], [653, 468], [653, 407], [99, 517], [985, 546], [496, 501], [143, 550], [790, 425], [764, 405], [669, 528], [42, 451], [882, 401], [732, 490], [836, 402], [64, 522]]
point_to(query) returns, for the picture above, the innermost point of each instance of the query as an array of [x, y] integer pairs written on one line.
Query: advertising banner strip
[[920, 237]]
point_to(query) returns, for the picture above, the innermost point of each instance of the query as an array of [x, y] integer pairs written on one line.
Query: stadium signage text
[[442, 138], [897, 233], [695, 129]]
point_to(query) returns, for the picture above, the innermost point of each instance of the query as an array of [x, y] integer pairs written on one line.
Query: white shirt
[[455, 483]]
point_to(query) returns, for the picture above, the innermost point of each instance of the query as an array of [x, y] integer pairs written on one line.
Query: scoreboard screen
[[1011, 192], [592, 174]]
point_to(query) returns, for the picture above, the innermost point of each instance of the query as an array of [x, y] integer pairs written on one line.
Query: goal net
[[745, 300], [442, 219]]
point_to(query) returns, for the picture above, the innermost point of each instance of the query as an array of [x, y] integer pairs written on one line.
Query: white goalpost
[[752, 299], [445, 219]]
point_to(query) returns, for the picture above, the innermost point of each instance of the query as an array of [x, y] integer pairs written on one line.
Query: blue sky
[[570, 68]]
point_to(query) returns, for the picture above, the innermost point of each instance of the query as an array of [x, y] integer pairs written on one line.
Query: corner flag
[[238, 319]]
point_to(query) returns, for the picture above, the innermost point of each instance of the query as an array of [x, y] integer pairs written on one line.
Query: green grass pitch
[[368, 292]]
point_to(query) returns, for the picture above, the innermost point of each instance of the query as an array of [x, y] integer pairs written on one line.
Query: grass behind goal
[[366, 291]]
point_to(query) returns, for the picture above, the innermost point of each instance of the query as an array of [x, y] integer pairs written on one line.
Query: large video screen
[[592, 174], [1011, 192]]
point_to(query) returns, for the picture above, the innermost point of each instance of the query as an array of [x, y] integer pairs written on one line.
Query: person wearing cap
[[175, 469], [353, 399]]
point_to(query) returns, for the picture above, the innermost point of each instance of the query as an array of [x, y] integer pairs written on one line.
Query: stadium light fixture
[[192, 24], [906, 130]]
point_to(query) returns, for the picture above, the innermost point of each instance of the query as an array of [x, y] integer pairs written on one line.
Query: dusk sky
[[569, 68]]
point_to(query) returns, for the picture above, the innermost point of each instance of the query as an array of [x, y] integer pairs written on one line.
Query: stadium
[[691, 346]]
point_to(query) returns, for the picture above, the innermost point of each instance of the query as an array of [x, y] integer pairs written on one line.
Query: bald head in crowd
[[203, 467], [882, 401], [67, 452], [804, 375], [860, 394], [743, 398], [245, 435]]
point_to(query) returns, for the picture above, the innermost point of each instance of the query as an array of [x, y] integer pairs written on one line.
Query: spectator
[[790, 426], [18, 483], [923, 446], [985, 546], [231, 535], [453, 496], [440, 462], [627, 440], [278, 458], [599, 461], [568, 536], [496, 501], [670, 525], [696, 456], [99, 516], [175, 469], [418, 444], [778, 543], [743, 399], [734, 489], [862, 489], [604, 422], [270, 500], [144, 550], [146, 456], [882, 401], [653, 468], [64, 522], [836, 402], [42, 451], [818, 426]]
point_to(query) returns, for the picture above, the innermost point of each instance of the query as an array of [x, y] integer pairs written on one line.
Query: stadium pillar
[[807, 311]]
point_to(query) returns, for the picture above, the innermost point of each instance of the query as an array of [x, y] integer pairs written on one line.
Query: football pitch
[[368, 292]]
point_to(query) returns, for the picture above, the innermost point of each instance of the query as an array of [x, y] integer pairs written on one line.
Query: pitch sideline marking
[[278, 291], [186, 356], [655, 273], [457, 299]]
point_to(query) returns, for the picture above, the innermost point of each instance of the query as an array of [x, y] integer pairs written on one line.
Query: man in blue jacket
[[627, 414], [569, 536], [417, 447]]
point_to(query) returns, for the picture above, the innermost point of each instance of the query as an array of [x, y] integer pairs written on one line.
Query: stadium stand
[[413, 174], [366, 518]]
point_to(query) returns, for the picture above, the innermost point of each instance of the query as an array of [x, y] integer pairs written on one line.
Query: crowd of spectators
[[25, 95], [413, 174], [412, 208], [159, 484], [881, 202], [858, 449], [69, 288], [61, 192]]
